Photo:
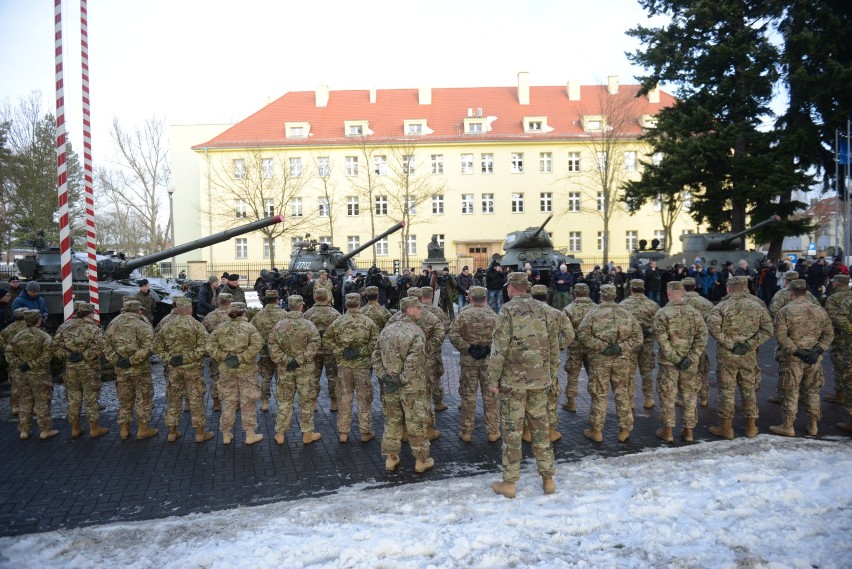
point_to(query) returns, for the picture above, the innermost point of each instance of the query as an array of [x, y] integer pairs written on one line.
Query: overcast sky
[[218, 61]]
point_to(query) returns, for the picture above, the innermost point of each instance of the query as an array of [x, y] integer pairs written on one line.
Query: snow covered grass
[[767, 502]]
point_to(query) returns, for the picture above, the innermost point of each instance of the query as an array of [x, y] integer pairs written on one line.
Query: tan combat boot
[[441, 406], [506, 489], [422, 466], [526, 436], [145, 432], [813, 429], [623, 435], [279, 438], [665, 434], [404, 437], [570, 405], [76, 429], [845, 427], [686, 433], [493, 437], [649, 402], [227, 437], [548, 485], [554, 435], [392, 462], [201, 435], [343, 437], [751, 428], [264, 405], [217, 404], [725, 430], [95, 429], [432, 433], [252, 438], [333, 407], [24, 435], [48, 434], [310, 436], [367, 437], [465, 437], [124, 431], [785, 430], [703, 401], [593, 434], [838, 397], [173, 434]]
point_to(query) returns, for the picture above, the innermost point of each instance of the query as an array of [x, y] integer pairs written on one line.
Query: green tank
[[534, 246]]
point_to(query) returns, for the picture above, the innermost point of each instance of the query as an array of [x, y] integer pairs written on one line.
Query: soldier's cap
[[413, 292], [408, 302], [353, 299], [225, 297], [294, 301], [738, 281], [83, 308], [33, 286], [237, 308], [539, 290], [212, 279], [372, 291], [31, 316], [518, 279], [581, 288], [799, 284], [841, 278], [321, 294], [14, 279], [674, 285], [791, 276], [323, 272], [3, 292], [182, 302], [637, 284], [131, 305], [271, 293], [233, 277], [19, 313], [478, 292], [427, 292], [688, 281], [608, 291], [142, 282]]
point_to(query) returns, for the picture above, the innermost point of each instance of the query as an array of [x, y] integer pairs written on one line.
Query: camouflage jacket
[[741, 318], [843, 317], [699, 303], [610, 324], [352, 330], [525, 346], [327, 285], [31, 346], [782, 298], [184, 336], [575, 312], [377, 313], [322, 315], [802, 325], [166, 319], [149, 303], [237, 293], [562, 323], [213, 319], [474, 326], [643, 310], [681, 332], [236, 337], [130, 336], [833, 307], [294, 337], [433, 331], [265, 320], [82, 336], [9, 332], [400, 352], [439, 314]]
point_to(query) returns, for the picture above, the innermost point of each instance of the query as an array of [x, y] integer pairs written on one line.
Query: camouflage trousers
[[287, 385], [35, 391], [475, 377], [83, 383], [553, 405], [14, 389], [611, 373], [134, 389], [406, 409], [645, 357], [841, 358], [352, 382], [800, 376], [704, 376], [187, 380], [516, 407], [330, 364], [670, 382], [238, 385], [577, 357], [266, 369], [733, 371], [561, 299], [436, 373], [213, 371]]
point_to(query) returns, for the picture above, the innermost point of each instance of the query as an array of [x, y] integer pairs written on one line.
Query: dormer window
[[648, 121], [297, 129], [474, 127], [536, 125], [415, 127], [356, 128], [594, 123]]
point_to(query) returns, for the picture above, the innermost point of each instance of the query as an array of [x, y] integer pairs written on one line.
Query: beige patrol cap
[[408, 302], [413, 291], [674, 285], [371, 291], [182, 302], [738, 281], [518, 279], [225, 297], [427, 292], [271, 293], [581, 289], [237, 308], [688, 281], [19, 313], [841, 278], [320, 294], [791, 276], [31, 317], [799, 284], [353, 299], [84, 308], [295, 300], [131, 305], [608, 291], [478, 292], [637, 284], [539, 290]]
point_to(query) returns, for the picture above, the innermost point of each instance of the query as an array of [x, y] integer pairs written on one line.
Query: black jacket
[[206, 300], [494, 279]]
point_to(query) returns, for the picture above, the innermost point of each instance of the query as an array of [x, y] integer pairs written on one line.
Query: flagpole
[[837, 201], [847, 224]]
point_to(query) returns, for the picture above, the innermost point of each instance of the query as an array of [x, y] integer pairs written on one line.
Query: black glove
[[264, 351], [684, 364], [292, 364], [811, 359], [75, 357], [390, 383], [646, 332], [24, 367], [478, 351], [176, 361], [123, 363], [351, 353], [612, 350], [802, 354], [232, 361], [817, 349], [741, 348]]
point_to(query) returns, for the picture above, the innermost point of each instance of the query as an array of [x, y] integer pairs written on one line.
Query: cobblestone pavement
[[64, 483]]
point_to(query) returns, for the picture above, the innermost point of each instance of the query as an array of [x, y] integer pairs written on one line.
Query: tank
[[117, 275], [311, 256], [534, 246], [642, 256], [719, 247]]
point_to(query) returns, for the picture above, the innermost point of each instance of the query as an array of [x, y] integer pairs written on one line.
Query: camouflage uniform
[[643, 310], [843, 320], [237, 379], [524, 360], [373, 310], [324, 283], [322, 314], [79, 341], [29, 352], [606, 326], [210, 323], [295, 339], [578, 355], [473, 329], [703, 306], [352, 338], [435, 365], [841, 350], [264, 321], [148, 300], [561, 323], [14, 373]]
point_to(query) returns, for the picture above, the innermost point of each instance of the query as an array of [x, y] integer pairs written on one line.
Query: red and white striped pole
[[91, 234], [61, 166]]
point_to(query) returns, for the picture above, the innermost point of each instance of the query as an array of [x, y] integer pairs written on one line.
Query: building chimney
[[425, 95], [654, 95], [524, 88], [612, 84], [322, 95], [573, 91], [372, 95]]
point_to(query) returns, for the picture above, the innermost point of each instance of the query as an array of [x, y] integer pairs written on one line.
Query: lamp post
[[172, 227]]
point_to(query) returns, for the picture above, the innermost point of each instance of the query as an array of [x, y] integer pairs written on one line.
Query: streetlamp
[[171, 191]]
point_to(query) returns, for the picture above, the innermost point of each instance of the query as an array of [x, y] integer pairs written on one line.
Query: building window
[[467, 203], [353, 242], [382, 247], [517, 203], [687, 200], [415, 128], [239, 169], [295, 167], [575, 241], [440, 239], [660, 235], [438, 204], [268, 248], [517, 162], [241, 244], [437, 163], [630, 161], [602, 161], [631, 240], [658, 203], [657, 158], [269, 207], [296, 132], [411, 244], [474, 128], [408, 164], [324, 209], [351, 165], [266, 168], [601, 201], [294, 243], [325, 239], [467, 163], [353, 208], [380, 165], [296, 207], [487, 203], [574, 202], [356, 130], [381, 205], [545, 161], [546, 202], [534, 126], [240, 207], [412, 206], [487, 163], [600, 241], [323, 167], [573, 161]]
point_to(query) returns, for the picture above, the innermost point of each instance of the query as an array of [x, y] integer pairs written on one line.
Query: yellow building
[[466, 164]]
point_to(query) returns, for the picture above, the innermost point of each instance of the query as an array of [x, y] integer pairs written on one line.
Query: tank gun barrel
[[541, 227], [751, 229], [342, 261]]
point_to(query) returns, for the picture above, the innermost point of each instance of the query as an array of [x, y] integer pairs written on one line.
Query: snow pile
[[767, 502]]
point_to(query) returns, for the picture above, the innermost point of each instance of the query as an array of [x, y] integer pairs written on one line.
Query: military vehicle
[[534, 246], [643, 255], [117, 275], [720, 247], [312, 256]]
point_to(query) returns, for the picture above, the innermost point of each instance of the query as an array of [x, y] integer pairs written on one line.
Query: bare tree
[[327, 186], [370, 180]]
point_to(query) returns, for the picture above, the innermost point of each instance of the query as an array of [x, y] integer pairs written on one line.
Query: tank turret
[[534, 246], [313, 256], [718, 246]]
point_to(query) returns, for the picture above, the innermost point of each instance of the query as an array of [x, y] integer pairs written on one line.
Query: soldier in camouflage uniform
[[210, 322], [471, 334], [612, 336], [235, 344], [293, 345], [740, 325], [324, 282], [399, 361], [128, 347], [703, 306], [643, 310], [264, 321], [14, 373], [682, 335], [435, 366], [841, 350], [804, 333], [578, 355], [148, 299], [29, 352], [79, 341], [842, 320], [181, 343], [373, 310], [524, 360], [352, 338], [322, 314]]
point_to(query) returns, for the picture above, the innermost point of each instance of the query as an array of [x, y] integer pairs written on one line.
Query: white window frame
[[415, 128], [600, 240], [239, 169], [381, 205], [602, 157], [438, 204], [382, 247], [267, 168], [324, 209], [268, 248], [573, 162], [353, 206], [574, 202], [351, 165], [411, 203], [661, 235], [488, 203], [517, 202], [631, 239], [323, 166], [487, 159], [409, 164], [546, 202], [658, 203], [545, 162], [352, 243], [601, 201], [437, 163], [380, 165], [297, 207], [241, 248], [411, 244], [467, 164], [575, 241], [295, 166], [269, 207], [517, 163], [240, 209], [630, 161], [467, 204]]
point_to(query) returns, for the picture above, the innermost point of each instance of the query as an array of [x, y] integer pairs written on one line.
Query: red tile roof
[[445, 115]]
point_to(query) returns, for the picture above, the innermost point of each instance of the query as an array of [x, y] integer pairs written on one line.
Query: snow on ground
[[767, 502]]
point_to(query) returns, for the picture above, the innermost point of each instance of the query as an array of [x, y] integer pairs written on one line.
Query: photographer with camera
[[447, 287]]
